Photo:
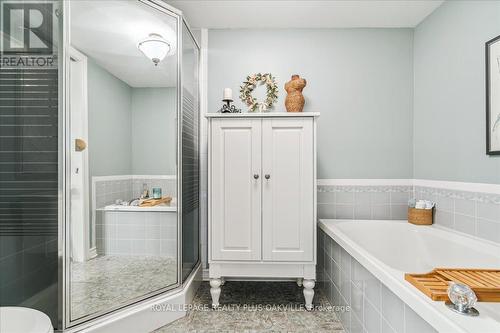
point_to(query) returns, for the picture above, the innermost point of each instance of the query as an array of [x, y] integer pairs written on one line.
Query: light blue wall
[[154, 131], [449, 107], [131, 130], [359, 79], [109, 123]]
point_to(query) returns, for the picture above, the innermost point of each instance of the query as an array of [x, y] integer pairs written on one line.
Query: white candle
[[228, 94]]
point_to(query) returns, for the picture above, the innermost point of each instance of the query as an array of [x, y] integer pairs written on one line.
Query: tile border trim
[[132, 177], [365, 182], [441, 184]]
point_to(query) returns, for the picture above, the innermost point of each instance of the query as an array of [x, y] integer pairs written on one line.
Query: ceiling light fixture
[[154, 47]]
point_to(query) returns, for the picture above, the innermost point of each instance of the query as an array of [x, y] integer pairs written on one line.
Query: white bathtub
[[388, 249]]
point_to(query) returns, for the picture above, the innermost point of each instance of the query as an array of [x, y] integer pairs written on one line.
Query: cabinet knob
[[267, 176], [255, 176]]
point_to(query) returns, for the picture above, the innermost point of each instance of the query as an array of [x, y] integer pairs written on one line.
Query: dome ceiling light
[[154, 47]]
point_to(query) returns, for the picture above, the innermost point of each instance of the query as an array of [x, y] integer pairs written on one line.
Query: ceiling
[[233, 14], [108, 32]]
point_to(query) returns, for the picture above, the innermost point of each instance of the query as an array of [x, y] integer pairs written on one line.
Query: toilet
[[14, 319]]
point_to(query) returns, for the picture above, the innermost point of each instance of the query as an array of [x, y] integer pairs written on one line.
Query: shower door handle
[[80, 145]]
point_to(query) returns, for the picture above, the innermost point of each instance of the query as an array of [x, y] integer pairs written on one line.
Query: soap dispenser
[[145, 191]]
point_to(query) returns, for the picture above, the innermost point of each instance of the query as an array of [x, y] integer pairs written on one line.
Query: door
[[80, 226], [288, 189], [236, 189]]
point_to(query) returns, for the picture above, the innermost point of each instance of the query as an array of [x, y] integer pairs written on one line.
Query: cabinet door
[[288, 189], [235, 189]]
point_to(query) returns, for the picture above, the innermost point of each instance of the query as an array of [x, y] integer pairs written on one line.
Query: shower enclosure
[[99, 156]]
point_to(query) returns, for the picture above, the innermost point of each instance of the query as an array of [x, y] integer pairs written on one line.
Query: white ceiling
[[108, 32], [305, 13]]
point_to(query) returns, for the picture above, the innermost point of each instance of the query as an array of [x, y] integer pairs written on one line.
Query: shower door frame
[[64, 247], [179, 142]]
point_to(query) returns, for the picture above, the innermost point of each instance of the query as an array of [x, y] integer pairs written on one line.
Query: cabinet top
[[262, 114]]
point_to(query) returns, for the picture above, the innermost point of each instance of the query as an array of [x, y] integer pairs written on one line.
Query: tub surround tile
[[371, 319], [357, 302], [381, 212], [414, 323], [400, 197], [488, 230], [344, 211], [363, 202], [465, 223], [381, 198], [344, 198], [385, 327], [469, 212], [326, 210], [472, 213], [465, 206], [362, 212], [487, 211], [356, 324], [393, 309], [372, 306], [399, 212]]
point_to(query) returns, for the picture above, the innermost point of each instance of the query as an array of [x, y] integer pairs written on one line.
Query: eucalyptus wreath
[[249, 86]]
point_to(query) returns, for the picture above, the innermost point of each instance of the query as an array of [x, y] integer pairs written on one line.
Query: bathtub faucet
[[462, 299]]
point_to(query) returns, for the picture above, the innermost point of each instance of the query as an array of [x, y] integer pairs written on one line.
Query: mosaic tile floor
[[266, 296], [107, 281]]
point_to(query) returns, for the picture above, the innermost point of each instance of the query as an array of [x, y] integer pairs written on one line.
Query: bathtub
[[389, 249]]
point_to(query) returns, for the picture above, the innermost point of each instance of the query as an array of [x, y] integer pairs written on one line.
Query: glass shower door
[[123, 111]]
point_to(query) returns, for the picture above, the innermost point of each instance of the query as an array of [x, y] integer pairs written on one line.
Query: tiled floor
[[261, 314], [108, 281]]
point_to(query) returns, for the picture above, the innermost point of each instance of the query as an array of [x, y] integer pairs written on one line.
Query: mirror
[[123, 120]]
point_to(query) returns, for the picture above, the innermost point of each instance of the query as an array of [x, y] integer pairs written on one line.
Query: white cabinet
[[235, 195], [262, 198], [287, 189]]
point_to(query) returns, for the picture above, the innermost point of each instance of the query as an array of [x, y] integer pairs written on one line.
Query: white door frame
[[81, 246]]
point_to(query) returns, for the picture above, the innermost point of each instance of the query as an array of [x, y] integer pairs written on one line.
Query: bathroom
[[132, 201]]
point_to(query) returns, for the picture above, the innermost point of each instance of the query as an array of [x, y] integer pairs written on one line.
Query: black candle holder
[[228, 108]]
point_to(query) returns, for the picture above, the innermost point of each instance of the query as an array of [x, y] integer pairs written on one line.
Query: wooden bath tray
[[484, 282], [155, 202]]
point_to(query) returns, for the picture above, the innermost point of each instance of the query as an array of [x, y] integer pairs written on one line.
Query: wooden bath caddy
[[155, 202], [484, 282]]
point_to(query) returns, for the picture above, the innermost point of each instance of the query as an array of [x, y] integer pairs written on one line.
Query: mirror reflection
[[123, 102]]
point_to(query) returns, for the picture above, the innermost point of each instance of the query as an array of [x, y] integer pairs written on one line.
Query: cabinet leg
[[308, 293], [215, 291], [299, 281]]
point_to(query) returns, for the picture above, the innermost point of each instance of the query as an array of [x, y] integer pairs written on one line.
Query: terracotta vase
[[294, 101]]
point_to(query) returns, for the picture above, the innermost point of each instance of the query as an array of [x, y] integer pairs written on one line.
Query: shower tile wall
[[369, 305], [27, 264], [474, 213], [363, 202]]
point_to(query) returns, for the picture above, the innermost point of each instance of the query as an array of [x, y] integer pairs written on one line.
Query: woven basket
[[420, 216]]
